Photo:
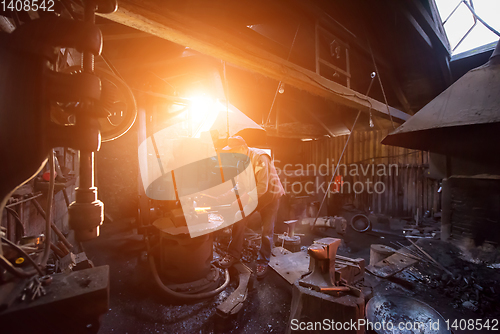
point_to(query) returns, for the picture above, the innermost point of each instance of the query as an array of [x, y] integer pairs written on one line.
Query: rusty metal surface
[[72, 301], [290, 266], [322, 264], [309, 305], [471, 100], [234, 303], [323, 272]]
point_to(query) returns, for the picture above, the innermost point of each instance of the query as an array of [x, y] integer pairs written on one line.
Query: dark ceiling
[[402, 40], [410, 53]]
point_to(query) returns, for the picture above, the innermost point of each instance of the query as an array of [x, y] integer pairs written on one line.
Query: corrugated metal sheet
[[406, 187]]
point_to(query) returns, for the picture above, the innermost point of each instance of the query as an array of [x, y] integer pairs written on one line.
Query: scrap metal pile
[[465, 285]]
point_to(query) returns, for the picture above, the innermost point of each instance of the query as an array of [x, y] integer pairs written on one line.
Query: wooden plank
[[405, 189], [179, 28], [375, 198], [417, 27], [391, 194], [396, 191], [367, 155], [419, 192], [373, 137], [380, 197], [429, 25], [414, 189], [350, 149], [435, 196], [410, 191]]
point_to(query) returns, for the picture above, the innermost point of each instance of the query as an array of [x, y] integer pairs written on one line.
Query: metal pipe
[[87, 157], [86, 169], [56, 230], [89, 17], [342, 154], [23, 201]]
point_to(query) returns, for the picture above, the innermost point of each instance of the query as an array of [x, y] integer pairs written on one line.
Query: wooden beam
[[117, 37], [297, 130], [435, 32], [429, 25], [149, 17], [417, 27]]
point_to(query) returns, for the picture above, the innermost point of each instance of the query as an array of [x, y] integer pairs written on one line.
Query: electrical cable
[[46, 252], [279, 83], [380, 83], [335, 172], [180, 295], [340, 158], [386, 157]]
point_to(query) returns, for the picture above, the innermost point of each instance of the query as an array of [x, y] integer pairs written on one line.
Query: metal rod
[[341, 156], [480, 19], [86, 169], [413, 253], [381, 85], [431, 258], [54, 227], [279, 83], [87, 157], [17, 220], [23, 201]]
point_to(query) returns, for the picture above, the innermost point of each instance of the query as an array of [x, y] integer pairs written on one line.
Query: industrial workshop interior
[[286, 166]]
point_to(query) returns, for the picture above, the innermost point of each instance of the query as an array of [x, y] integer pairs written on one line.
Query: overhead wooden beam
[[117, 37], [428, 23], [295, 130], [152, 18], [417, 27], [433, 29]]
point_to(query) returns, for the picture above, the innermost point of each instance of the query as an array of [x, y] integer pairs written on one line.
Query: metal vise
[[332, 273]]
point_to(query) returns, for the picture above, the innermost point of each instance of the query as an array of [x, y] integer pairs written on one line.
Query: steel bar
[[56, 230], [341, 156], [431, 258], [23, 201]]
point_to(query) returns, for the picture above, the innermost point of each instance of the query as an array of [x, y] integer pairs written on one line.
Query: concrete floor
[[137, 305]]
